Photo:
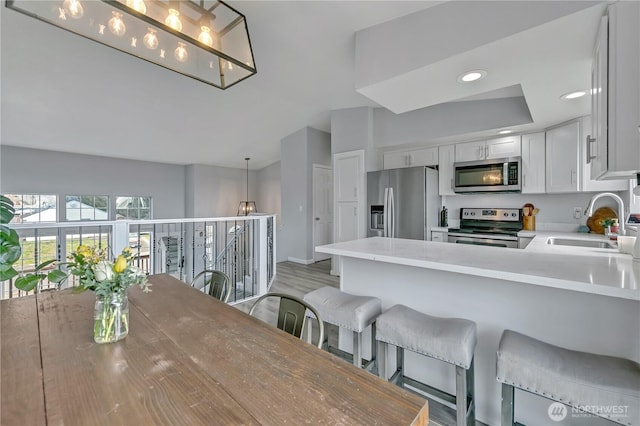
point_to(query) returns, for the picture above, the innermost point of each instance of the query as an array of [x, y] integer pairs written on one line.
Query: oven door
[[483, 241]]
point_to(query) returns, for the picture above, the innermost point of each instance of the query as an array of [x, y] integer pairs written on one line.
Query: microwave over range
[[495, 175]]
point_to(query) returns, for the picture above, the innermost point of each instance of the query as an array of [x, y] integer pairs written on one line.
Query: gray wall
[[26, 170], [352, 130], [299, 151], [217, 191]]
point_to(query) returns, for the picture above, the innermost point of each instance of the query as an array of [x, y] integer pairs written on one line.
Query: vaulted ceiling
[[66, 93]]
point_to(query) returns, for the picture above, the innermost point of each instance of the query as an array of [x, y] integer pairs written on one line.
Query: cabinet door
[[470, 151], [395, 160], [562, 158], [533, 163], [446, 155], [346, 221], [438, 236], [423, 157], [596, 141], [589, 184], [347, 178], [508, 146]]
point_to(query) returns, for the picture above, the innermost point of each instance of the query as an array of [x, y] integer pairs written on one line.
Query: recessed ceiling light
[[505, 131], [573, 95], [470, 76]]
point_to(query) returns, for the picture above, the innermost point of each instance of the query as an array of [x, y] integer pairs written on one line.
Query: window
[[87, 207], [34, 207], [133, 208]]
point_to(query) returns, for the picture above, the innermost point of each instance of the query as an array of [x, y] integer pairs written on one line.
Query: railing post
[[120, 236], [263, 251]]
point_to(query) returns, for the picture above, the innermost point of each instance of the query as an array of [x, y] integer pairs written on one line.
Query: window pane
[[133, 208], [34, 207], [87, 207]]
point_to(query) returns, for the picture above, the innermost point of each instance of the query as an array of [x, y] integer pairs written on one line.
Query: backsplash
[[556, 210]]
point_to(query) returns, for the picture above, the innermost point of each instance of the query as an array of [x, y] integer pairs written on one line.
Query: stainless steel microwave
[[495, 175]]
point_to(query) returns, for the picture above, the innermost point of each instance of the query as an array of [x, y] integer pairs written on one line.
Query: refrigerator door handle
[[385, 213], [392, 211]]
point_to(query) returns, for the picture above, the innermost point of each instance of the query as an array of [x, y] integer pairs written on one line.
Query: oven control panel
[[502, 215]]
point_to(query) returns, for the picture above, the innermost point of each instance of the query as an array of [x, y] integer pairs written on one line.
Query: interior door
[[322, 208]]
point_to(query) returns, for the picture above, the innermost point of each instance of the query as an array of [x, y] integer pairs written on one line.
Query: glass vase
[[111, 318]]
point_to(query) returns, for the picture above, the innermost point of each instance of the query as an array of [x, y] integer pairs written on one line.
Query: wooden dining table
[[188, 359]]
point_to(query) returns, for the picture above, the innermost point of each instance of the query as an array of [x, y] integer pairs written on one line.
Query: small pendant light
[[247, 207]]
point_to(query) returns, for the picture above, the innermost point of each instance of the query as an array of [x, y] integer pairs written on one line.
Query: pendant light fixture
[[209, 39], [247, 207]]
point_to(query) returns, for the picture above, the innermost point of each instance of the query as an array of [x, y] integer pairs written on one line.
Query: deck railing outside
[[241, 247]]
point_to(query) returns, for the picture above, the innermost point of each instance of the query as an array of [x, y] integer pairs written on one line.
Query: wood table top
[[188, 359]]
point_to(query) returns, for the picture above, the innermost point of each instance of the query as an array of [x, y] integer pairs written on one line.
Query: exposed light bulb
[[137, 5], [205, 36], [173, 20], [73, 8], [229, 65], [116, 24], [151, 39], [181, 52]]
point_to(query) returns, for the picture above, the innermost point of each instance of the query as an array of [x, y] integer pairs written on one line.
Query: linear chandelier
[[206, 40]]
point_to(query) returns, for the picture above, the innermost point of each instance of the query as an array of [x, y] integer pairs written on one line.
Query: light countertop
[[603, 272]]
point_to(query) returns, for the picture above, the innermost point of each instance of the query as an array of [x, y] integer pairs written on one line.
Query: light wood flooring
[[298, 280]]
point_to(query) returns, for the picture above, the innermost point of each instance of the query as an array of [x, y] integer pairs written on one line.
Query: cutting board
[[602, 213]]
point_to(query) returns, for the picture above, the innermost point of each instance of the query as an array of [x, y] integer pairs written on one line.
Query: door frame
[[313, 206]]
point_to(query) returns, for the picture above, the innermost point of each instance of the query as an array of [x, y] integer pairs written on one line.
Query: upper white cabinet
[[533, 163], [446, 158], [614, 142], [563, 161], [588, 184], [508, 146], [348, 176], [411, 158]]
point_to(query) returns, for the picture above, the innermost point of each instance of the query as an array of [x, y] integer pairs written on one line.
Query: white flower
[[102, 271]]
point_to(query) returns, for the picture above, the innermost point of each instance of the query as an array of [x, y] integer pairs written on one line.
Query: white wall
[[26, 170], [299, 151]]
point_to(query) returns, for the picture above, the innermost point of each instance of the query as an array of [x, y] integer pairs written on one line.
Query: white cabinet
[[439, 236], [587, 183], [533, 163], [470, 151], [347, 178], [411, 158], [446, 157], [508, 146], [615, 136], [563, 161]]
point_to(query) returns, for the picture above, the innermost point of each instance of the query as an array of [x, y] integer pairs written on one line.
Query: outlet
[[577, 212]]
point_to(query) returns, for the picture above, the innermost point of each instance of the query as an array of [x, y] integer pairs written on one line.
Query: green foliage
[[608, 222]]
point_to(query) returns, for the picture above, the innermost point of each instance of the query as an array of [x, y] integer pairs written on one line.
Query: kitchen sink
[[580, 243]]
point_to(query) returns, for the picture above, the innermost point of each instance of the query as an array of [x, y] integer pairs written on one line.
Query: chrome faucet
[[589, 210]]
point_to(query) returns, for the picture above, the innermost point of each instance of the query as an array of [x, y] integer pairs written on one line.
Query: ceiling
[[63, 92]]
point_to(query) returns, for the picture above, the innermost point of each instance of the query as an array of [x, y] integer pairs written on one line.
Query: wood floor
[[298, 280]]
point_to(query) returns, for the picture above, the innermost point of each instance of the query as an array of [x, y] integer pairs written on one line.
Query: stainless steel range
[[488, 227]]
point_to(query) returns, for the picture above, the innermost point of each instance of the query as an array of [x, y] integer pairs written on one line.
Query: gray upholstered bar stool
[[354, 313], [598, 384], [452, 340]]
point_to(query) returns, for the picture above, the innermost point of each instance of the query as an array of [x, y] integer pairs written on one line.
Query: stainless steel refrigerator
[[403, 203]]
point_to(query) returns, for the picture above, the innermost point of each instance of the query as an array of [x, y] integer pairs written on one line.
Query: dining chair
[[292, 315], [217, 281]]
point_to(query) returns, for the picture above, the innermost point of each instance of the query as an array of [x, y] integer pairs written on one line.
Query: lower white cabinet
[[439, 236]]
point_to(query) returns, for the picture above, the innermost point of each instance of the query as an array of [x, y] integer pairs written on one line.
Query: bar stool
[[596, 384], [452, 340], [348, 311]]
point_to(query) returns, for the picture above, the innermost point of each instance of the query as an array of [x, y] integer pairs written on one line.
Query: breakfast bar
[[586, 300], [188, 359]]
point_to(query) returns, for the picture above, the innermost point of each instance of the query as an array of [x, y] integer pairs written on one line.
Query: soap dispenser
[[444, 217]]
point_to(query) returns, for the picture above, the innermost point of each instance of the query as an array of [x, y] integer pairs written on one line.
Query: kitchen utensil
[[535, 211], [601, 213], [527, 209]]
